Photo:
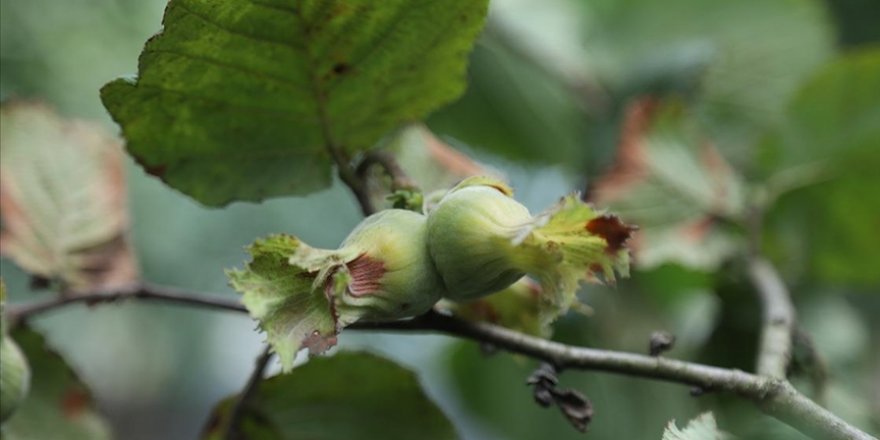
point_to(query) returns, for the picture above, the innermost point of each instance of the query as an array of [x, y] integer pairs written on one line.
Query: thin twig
[[144, 291], [233, 431], [812, 363], [775, 397], [384, 159], [351, 179], [778, 323], [777, 332]]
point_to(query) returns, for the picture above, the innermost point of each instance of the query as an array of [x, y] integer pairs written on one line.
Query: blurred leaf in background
[[672, 182], [348, 396], [550, 83], [739, 62], [826, 155], [65, 53], [63, 199], [59, 406]]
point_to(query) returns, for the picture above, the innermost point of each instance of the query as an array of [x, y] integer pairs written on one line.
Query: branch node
[[661, 341]]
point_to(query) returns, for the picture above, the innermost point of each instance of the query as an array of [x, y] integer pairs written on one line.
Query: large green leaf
[[242, 99], [349, 396], [827, 154], [63, 199], [59, 406]]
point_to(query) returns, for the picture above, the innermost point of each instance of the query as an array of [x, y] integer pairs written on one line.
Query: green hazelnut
[[391, 275], [303, 297], [15, 377], [470, 238], [482, 240]]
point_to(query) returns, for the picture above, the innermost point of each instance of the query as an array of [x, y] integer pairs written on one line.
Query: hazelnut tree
[[245, 100]]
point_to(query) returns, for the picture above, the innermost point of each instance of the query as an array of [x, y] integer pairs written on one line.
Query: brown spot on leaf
[[484, 311], [612, 230], [698, 230], [318, 343], [74, 402], [341, 68], [629, 167], [157, 170]]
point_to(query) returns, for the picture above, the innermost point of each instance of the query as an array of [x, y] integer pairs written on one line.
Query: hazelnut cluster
[[476, 241]]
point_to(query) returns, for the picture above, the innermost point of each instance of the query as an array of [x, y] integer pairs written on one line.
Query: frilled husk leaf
[[303, 296], [482, 241], [518, 307]]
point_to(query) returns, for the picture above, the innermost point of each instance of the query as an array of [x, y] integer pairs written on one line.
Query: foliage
[[336, 398], [58, 406], [63, 199], [724, 132], [240, 100]]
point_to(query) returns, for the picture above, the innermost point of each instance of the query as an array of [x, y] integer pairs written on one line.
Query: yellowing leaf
[[63, 199]]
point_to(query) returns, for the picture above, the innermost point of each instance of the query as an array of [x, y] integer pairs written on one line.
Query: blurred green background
[[549, 83]]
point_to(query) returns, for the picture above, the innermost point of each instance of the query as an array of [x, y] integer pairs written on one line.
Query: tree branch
[[233, 430], [399, 178], [144, 291], [774, 396], [351, 180], [777, 333]]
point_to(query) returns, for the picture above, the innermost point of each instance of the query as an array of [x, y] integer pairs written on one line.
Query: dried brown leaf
[[63, 200]]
